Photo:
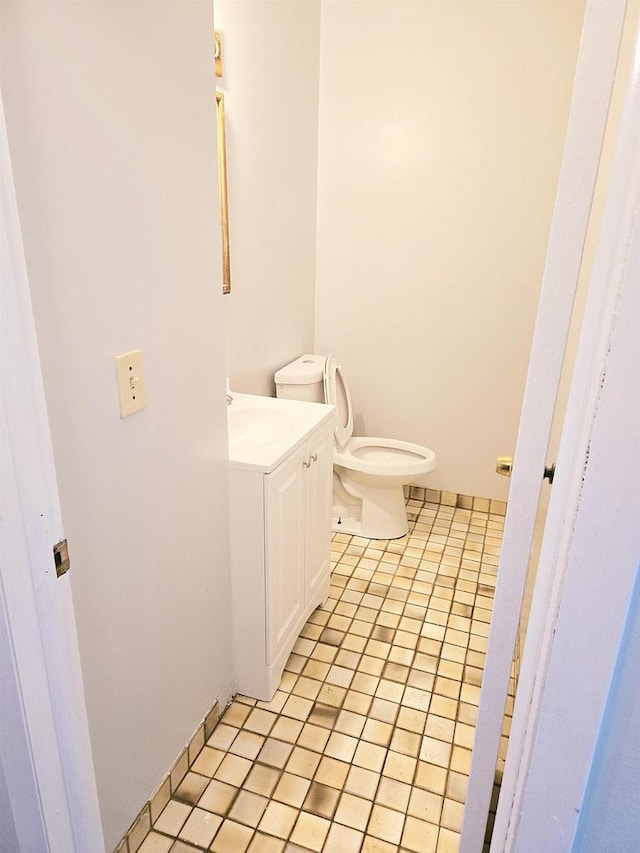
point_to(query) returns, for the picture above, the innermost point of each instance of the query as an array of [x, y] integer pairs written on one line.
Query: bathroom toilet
[[368, 473]]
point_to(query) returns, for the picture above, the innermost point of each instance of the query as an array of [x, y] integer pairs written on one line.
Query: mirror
[[222, 179]]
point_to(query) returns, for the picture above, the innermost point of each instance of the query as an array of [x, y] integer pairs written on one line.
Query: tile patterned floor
[[366, 745]]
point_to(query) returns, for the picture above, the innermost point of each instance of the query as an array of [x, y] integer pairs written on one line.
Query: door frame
[[45, 748]]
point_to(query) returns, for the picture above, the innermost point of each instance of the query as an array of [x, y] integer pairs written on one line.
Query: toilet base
[[382, 514]]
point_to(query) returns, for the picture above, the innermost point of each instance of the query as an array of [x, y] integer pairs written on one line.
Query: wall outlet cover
[[132, 391]]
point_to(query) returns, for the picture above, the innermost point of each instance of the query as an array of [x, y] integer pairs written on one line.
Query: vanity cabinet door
[[285, 552], [318, 523]]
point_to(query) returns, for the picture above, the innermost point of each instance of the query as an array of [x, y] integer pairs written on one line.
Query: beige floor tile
[[435, 751], [155, 843], [217, 797], [233, 770], [384, 710], [247, 745], [321, 800], [181, 847], [291, 790], [452, 815], [286, 729], [223, 736], [464, 735], [370, 756], [276, 703], [173, 817], [306, 688], [377, 732], [400, 767], [425, 805], [200, 827], [353, 811], [457, 786], [275, 753], [332, 772], [298, 707], [248, 808], [313, 737], [393, 794], [362, 782], [260, 721], [207, 761], [343, 839], [349, 723], [262, 780], [431, 777], [411, 720], [236, 714], [341, 746], [386, 824], [358, 703], [461, 759], [232, 836], [323, 715], [310, 831], [419, 836], [303, 762], [405, 742], [377, 845], [191, 788], [262, 843], [448, 841], [441, 728], [278, 819]]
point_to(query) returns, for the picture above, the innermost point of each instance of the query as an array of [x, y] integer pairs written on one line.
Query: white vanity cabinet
[[280, 553]]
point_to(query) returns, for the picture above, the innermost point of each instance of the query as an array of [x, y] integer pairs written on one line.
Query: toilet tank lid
[[305, 370]]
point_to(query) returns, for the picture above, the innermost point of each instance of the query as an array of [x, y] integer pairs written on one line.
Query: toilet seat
[[385, 456], [336, 393], [366, 454]]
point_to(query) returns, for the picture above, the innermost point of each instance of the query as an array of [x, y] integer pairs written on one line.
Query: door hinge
[[61, 557], [549, 473]]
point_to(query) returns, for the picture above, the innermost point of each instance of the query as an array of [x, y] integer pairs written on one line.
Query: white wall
[[271, 62], [110, 114], [441, 132]]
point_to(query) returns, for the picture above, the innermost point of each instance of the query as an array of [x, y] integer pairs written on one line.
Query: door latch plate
[[61, 557]]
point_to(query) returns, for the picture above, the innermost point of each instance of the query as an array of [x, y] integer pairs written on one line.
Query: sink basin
[[255, 426], [264, 430]]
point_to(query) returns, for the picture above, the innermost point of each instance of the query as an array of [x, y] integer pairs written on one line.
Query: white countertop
[[254, 447]]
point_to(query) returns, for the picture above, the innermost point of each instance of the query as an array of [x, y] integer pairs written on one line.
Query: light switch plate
[[132, 391]]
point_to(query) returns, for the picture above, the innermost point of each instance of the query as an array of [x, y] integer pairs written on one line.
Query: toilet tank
[[302, 379]]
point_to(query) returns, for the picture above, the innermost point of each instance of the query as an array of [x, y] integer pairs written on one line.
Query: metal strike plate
[[61, 557], [504, 465]]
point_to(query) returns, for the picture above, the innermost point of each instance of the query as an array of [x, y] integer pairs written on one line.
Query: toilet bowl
[[369, 472]]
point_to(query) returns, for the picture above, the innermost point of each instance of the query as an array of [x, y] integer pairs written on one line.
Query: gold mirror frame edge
[[224, 203]]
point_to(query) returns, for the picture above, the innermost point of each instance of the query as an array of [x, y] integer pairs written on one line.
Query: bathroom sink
[[254, 426], [264, 430]]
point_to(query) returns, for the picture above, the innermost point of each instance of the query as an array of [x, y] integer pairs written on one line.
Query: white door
[[47, 778], [595, 73]]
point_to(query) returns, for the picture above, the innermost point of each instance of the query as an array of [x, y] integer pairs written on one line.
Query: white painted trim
[[38, 606], [570, 572], [595, 73]]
